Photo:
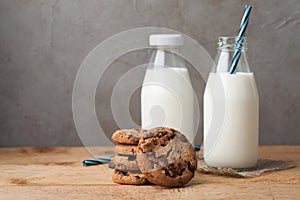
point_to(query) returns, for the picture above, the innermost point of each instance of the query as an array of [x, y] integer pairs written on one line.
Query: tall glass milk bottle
[[231, 111], [167, 94]]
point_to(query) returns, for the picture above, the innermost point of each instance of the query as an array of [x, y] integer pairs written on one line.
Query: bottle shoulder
[[166, 59]]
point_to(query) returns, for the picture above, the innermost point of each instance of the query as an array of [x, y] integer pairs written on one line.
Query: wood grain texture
[[57, 173]]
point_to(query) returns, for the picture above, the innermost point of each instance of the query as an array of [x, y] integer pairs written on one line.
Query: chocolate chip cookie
[[129, 178], [127, 136], [168, 158], [129, 150], [124, 163]]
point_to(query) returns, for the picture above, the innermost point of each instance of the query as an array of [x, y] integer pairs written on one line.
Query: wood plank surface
[[57, 173]]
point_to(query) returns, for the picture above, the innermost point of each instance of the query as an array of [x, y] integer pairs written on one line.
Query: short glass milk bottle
[[231, 110], [167, 93]]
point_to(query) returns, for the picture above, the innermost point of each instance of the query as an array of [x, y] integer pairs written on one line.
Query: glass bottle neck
[[227, 46], [232, 44]]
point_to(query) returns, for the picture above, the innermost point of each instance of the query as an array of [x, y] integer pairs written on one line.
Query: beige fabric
[[262, 166]]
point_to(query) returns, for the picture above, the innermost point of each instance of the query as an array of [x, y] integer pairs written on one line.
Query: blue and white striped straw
[[241, 36], [96, 161]]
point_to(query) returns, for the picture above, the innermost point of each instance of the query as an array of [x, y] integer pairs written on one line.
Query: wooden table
[[57, 173]]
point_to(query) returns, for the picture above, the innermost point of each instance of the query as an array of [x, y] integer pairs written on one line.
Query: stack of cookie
[[161, 156], [124, 163]]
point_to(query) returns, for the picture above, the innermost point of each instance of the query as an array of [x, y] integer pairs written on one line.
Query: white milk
[[167, 100], [236, 144]]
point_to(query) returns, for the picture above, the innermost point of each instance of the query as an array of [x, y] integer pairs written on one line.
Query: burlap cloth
[[262, 166]]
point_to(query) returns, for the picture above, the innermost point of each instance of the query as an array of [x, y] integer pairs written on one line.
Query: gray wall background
[[43, 42]]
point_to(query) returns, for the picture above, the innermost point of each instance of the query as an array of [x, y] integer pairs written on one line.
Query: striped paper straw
[[241, 36], [96, 161]]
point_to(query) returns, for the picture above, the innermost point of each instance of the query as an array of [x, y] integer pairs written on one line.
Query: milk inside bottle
[[231, 111], [167, 93]]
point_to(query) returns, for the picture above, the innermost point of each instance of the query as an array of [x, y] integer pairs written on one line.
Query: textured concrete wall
[[43, 42]]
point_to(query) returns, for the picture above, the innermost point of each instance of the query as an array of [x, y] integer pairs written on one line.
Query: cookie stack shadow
[[161, 156]]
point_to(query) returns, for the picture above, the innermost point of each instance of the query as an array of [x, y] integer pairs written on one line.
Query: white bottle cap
[[166, 40]]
